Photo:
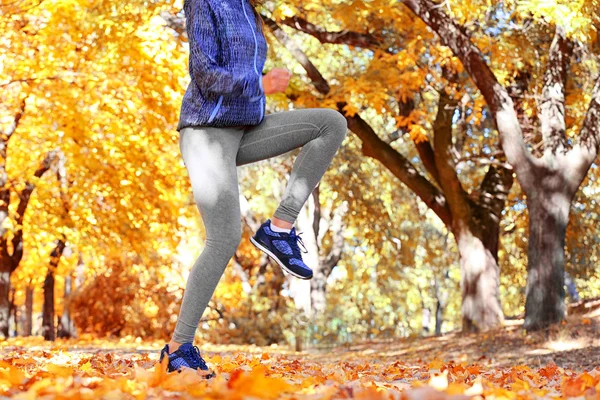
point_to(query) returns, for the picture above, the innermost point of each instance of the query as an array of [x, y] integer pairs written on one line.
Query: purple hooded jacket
[[227, 54]]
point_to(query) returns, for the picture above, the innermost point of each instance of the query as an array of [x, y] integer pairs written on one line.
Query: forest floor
[[563, 362]]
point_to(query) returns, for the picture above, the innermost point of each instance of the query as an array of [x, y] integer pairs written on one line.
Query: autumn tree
[[108, 98], [550, 181]]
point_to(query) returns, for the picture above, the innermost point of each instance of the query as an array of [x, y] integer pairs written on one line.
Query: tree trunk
[[318, 293], [425, 320], [4, 296], [12, 312], [66, 324], [439, 318], [441, 301], [548, 220], [28, 326], [480, 283], [48, 329]]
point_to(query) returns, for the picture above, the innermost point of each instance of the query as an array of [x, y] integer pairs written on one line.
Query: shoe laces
[[296, 239], [196, 359]]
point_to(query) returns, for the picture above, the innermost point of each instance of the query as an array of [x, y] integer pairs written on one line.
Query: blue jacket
[[227, 54]]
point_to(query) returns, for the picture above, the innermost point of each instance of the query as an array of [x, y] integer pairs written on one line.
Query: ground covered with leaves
[[507, 364]]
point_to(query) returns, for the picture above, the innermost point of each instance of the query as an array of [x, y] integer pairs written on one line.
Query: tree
[[550, 182], [96, 98], [11, 242]]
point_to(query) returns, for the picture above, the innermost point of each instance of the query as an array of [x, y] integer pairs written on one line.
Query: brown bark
[[48, 320], [350, 38], [480, 284], [396, 163], [48, 329], [28, 326]]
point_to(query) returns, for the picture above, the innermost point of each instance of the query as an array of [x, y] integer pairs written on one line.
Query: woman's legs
[[319, 131], [209, 156]]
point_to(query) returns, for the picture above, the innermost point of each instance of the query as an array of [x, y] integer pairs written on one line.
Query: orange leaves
[[582, 384], [9, 376], [257, 384], [244, 373]]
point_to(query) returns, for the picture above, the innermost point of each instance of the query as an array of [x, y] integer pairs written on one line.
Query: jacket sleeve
[[212, 78]]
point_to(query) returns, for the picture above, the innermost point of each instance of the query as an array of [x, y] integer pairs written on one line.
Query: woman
[[223, 125]]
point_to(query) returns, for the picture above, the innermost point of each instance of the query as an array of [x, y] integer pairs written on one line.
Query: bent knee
[[335, 123]]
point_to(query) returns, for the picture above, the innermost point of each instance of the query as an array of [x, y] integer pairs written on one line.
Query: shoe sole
[[274, 258]]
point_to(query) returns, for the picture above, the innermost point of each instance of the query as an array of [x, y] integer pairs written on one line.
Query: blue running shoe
[[186, 355], [283, 248]]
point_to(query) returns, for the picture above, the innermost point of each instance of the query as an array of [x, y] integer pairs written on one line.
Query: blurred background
[[98, 224]]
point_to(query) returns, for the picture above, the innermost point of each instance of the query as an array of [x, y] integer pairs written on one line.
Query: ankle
[[281, 224], [173, 346]]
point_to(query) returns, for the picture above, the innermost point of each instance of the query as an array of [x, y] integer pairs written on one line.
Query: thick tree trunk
[[548, 220], [480, 284], [28, 325], [48, 329]]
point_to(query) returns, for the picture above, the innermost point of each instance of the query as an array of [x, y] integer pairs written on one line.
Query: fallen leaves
[[73, 371]]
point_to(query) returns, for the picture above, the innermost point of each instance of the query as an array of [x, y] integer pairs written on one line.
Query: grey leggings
[[211, 156]]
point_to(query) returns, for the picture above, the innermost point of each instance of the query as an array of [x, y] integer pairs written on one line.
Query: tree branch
[[553, 95], [584, 153], [495, 188], [337, 227], [501, 105], [456, 196], [398, 165], [405, 108], [357, 39], [24, 197], [428, 159]]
